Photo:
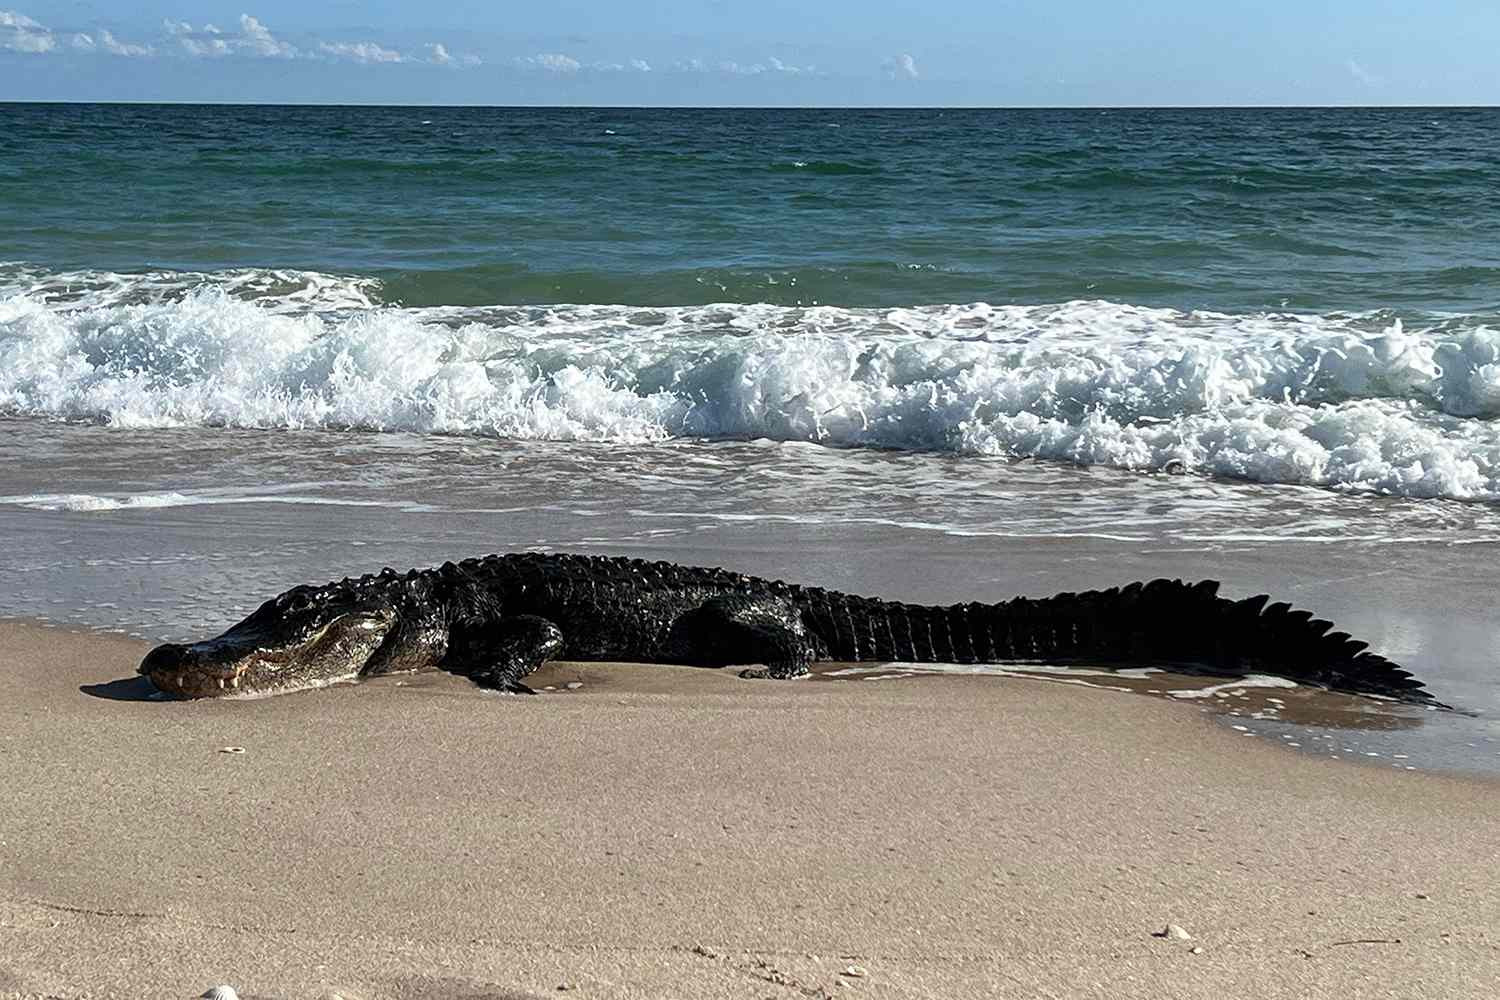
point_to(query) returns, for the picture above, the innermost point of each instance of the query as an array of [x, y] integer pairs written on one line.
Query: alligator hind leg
[[499, 655], [730, 630]]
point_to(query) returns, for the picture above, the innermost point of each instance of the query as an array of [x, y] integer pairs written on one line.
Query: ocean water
[[1038, 350], [1277, 296]]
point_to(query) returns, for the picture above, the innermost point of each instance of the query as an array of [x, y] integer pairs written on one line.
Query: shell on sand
[[220, 993]]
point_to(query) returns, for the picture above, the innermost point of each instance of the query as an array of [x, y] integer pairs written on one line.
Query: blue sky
[[770, 52]]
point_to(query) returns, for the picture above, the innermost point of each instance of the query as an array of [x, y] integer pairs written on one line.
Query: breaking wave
[[1351, 401]]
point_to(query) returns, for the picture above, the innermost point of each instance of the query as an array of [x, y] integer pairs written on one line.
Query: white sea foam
[[1347, 401], [1088, 676], [171, 498], [276, 289], [1248, 681], [91, 502]]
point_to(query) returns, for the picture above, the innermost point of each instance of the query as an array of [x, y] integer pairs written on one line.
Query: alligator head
[[306, 637]]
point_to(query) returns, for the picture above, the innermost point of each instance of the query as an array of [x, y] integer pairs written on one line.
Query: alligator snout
[[202, 669], [167, 656]]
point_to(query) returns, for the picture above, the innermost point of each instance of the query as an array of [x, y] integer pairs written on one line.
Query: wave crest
[[1348, 401]]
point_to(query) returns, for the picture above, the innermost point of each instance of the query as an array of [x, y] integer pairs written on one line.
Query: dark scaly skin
[[498, 618]]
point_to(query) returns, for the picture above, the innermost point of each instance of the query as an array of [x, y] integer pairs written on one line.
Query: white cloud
[[209, 42], [19, 33], [1362, 75], [255, 40], [205, 42], [900, 67], [555, 62], [552, 62], [438, 55], [258, 39], [361, 52], [114, 46], [251, 39], [771, 65], [634, 66]]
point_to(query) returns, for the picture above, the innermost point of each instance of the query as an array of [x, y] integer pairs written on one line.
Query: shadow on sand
[[125, 689]]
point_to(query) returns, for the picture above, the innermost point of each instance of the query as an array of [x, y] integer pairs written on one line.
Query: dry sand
[[668, 832]]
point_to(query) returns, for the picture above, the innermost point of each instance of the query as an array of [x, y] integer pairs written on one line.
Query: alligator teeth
[[221, 683]]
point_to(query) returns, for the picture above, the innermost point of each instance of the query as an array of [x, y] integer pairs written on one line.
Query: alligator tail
[[1161, 623]]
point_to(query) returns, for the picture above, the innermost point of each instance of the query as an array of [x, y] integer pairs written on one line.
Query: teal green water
[[1306, 297], [1219, 209]]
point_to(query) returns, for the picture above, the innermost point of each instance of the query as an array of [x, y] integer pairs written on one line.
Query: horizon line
[[766, 107]]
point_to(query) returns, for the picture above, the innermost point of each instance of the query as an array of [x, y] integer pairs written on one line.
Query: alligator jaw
[[175, 670], [257, 660], [193, 671]]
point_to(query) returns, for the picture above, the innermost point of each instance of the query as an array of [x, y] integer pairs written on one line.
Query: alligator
[[498, 618]]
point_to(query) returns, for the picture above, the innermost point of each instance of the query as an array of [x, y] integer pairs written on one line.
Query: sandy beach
[[884, 316], [670, 832]]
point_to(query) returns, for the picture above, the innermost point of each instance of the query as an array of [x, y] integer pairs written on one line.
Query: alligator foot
[[736, 629], [497, 656]]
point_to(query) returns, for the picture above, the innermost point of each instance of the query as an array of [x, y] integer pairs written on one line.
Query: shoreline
[[978, 835]]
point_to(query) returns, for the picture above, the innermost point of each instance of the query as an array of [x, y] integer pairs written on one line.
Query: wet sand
[[673, 832], [177, 534]]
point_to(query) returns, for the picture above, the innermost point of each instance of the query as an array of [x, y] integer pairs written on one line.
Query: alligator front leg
[[498, 655], [733, 630]]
